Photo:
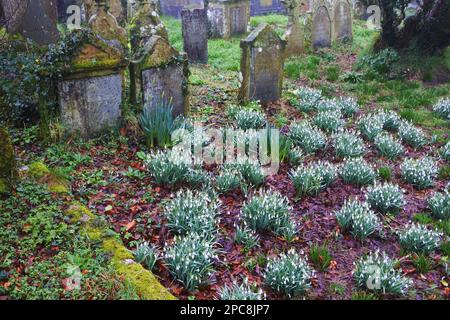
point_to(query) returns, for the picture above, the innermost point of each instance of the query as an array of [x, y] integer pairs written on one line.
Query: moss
[[79, 212], [38, 170], [58, 188], [141, 279], [3, 186], [8, 171]]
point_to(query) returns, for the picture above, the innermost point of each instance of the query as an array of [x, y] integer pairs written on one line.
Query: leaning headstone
[[294, 34], [195, 34], [261, 7], [343, 23], [262, 64], [164, 76], [8, 169], [90, 94], [321, 29], [228, 17]]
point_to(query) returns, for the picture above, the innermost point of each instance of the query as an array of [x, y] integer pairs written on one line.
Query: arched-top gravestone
[[322, 27], [262, 64], [343, 20]]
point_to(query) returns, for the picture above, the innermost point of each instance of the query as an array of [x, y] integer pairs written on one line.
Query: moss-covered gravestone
[[228, 17], [8, 170], [90, 94], [164, 76], [262, 64]]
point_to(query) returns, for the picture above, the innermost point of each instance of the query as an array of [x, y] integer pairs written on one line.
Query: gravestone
[[343, 20], [262, 65], [321, 29], [294, 34], [34, 19], [90, 93], [105, 24], [228, 17], [146, 23], [114, 7], [261, 7], [173, 7], [195, 34], [164, 76], [13, 12]]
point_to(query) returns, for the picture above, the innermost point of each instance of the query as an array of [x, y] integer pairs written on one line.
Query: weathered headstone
[[321, 29], [260, 7], [164, 76], [8, 169], [105, 24], [34, 19], [228, 17], [343, 20], [262, 65], [90, 94], [294, 34], [13, 11], [114, 7], [146, 23], [195, 34], [173, 7]]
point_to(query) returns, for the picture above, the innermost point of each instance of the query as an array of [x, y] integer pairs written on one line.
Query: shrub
[[306, 99], [445, 152], [442, 108], [391, 120], [357, 172], [417, 238], [158, 124], [249, 119], [268, 211], [246, 237], [295, 156], [311, 180], [192, 212], [439, 205], [357, 218], [388, 146], [329, 121], [250, 171], [167, 167], [330, 105], [240, 292], [146, 254], [421, 173], [370, 126], [307, 137], [411, 135], [348, 106], [289, 274], [385, 198], [320, 256], [377, 272], [228, 180], [348, 144], [190, 260]]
